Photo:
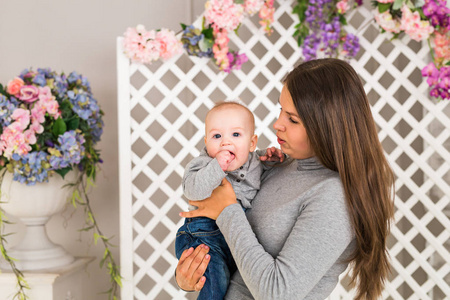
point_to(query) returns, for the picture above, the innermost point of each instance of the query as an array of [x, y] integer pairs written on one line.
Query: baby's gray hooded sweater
[[294, 241]]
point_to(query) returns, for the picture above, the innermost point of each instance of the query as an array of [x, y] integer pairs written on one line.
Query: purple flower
[[430, 70]]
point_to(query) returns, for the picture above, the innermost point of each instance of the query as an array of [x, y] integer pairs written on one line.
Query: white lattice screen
[[161, 113]]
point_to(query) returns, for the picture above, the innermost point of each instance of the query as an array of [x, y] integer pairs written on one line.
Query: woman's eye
[[293, 121], [217, 136], [236, 134]]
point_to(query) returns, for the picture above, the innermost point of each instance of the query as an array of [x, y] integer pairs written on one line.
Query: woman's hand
[[212, 207], [273, 154], [191, 267]]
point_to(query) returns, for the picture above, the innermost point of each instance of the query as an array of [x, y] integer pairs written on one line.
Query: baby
[[230, 141]]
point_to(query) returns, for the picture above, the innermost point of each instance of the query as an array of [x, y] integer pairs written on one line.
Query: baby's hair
[[237, 103]]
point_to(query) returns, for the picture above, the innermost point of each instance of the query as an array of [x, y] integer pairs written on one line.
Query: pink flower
[[38, 112], [385, 1], [36, 127], [21, 117], [444, 83], [442, 46], [47, 103], [224, 14], [386, 22], [342, 6], [28, 93], [169, 44], [266, 16], [12, 141], [45, 93], [14, 86], [413, 26], [140, 45], [30, 137], [253, 6], [430, 70]]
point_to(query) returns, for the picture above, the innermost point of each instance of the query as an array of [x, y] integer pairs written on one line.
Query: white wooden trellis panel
[[161, 113]]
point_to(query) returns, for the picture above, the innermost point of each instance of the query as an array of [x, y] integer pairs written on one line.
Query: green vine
[[80, 197], [22, 284]]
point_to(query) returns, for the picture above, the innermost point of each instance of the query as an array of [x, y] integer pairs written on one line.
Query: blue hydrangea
[[40, 80], [75, 78], [30, 168], [60, 84], [7, 107], [70, 150], [86, 107]]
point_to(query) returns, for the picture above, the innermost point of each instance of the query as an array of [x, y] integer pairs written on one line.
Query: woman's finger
[[185, 254], [199, 262], [193, 213], [200, 284]]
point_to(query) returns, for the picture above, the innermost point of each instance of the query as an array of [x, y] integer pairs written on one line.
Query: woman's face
[[291, 133]]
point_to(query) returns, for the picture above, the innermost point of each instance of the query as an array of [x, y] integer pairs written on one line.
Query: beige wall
[[81, 36]]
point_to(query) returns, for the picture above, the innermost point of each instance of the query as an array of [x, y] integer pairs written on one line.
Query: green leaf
[[183, 26], [208, 33], [73, 123], [59, 127], [64, 171], [205, 44], [419, 3], [239, 1], [342, 20], [410, 5], [397, 4], [382, 7]]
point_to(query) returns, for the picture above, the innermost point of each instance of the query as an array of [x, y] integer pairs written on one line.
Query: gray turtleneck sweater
[[294, 241]]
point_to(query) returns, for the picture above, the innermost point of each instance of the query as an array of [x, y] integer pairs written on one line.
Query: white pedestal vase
[[34, 205]]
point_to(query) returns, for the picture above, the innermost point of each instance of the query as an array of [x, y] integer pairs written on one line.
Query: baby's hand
[[224, 158], [273, 154]]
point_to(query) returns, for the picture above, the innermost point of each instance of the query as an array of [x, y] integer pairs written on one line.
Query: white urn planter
[[34, 205]]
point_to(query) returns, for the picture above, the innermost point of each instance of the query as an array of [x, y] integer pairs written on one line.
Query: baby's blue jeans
[[201, 230]]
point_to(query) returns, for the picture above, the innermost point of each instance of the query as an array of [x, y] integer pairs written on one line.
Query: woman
[[327, 206]]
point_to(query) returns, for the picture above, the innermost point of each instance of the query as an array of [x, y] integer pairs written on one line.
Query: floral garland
[[429, 19], [321, 31], [49, 125], [211, 40]]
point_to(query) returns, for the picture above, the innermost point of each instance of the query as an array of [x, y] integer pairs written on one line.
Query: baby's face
[[230, 129]]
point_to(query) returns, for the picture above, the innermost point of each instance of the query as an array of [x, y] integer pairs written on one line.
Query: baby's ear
[[253, 143]]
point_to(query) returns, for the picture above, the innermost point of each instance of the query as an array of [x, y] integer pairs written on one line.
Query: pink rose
[[342, 6], [14, 86], [28, 93]]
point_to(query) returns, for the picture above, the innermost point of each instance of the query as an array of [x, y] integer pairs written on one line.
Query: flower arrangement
[[49, 125], [429, 19], [211, 40], [321, 31]]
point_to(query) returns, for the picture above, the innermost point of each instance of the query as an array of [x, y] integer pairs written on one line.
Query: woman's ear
[[253, 142]]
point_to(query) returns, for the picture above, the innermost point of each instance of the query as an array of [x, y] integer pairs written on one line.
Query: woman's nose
[[278, 126]]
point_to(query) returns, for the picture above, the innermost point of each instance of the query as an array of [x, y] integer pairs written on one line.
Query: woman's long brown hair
[[331, 102]]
